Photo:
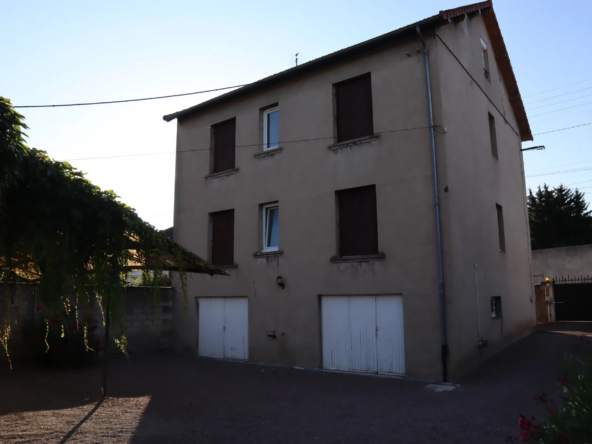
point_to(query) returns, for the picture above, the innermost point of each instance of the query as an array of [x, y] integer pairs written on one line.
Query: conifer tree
[[559, 217]]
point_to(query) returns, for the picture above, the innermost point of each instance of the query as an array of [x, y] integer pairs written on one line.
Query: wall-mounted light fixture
[[271, 334], [280, 282]]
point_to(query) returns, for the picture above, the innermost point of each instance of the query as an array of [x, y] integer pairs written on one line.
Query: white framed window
[[271, 128], [271, 225]]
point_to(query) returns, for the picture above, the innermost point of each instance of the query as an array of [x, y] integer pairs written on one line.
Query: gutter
[[444, 339]]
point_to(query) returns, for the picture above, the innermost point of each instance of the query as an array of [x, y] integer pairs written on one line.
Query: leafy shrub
[[571, 422]]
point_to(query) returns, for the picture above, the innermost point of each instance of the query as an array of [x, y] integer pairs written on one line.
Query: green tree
[[559, 217], [60, 230]]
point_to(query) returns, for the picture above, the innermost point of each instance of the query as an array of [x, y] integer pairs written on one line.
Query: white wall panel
[[390, 335], [362, 331], [223, 328], [236, 328], [335, 332], [363, 334], [211, 327]]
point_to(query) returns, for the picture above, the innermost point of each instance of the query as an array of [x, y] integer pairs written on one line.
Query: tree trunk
[[105, 352]]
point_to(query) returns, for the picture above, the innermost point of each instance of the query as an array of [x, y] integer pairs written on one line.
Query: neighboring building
[[314, 188], [562, 280]]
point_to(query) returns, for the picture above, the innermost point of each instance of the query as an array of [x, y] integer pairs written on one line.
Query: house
[[359, 235]]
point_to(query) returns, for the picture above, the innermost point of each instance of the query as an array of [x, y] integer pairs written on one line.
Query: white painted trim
[[265, 118], [265, 210], [483, 44]]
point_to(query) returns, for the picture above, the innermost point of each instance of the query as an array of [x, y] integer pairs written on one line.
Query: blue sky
[[70, 52]]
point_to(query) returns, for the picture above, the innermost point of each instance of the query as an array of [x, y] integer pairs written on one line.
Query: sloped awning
[[191, 263]]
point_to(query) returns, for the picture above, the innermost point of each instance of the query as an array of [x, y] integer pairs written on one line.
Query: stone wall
[[147, 327]]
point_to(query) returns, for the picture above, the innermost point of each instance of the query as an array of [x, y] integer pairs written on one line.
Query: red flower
[[563, 379], [38, 308], [552, 411], [524, 436]]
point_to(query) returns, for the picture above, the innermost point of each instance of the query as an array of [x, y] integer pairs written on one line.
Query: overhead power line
[[557, 103], [246, 84], [129, 100], [559, 95], [562, 117], [283, 143], [558, 166], [563, 129], [562, 109], [242, 146], [581, 181], [552, 173], [559, 87]]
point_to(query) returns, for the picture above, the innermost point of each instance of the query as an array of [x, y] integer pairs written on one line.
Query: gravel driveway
[[168, 397]]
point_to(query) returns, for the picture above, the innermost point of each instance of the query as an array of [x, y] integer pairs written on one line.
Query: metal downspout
[[444, 350]]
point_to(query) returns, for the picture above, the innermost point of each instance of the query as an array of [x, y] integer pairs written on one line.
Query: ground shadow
[[89, 414]]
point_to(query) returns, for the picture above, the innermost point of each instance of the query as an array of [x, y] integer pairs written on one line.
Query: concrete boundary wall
[[563, 261], [146, 327]]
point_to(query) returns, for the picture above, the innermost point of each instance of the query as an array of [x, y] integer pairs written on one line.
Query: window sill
[[268, 253], [227, 267], [354, 142], [222, 174], [361, 258], [268, 153]]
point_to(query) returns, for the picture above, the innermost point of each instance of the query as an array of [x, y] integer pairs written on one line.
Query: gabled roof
[[385, 40]]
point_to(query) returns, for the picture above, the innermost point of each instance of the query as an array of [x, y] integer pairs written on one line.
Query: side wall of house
[[303, 178], [474, 182]]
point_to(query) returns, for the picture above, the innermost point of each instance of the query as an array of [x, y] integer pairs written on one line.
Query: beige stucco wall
[[477, 181], [303, 178]]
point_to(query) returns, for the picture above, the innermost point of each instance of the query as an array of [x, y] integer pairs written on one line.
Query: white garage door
[[363, 334], [224, 328]]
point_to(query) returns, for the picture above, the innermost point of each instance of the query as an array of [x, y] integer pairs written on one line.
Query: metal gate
[[573, 298]]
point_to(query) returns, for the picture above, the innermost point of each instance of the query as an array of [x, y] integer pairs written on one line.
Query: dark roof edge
[[491, 23], [503, 60], [309, 66], [501, 56]]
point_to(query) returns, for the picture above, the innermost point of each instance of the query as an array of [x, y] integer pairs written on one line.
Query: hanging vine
[[60, 230]]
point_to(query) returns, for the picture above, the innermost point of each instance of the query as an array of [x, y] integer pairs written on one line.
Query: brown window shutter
[[500, 227], [358, 226], [353, 100], [222, 237], [224, 145], [492, 136]]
